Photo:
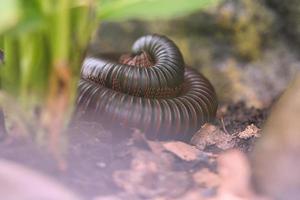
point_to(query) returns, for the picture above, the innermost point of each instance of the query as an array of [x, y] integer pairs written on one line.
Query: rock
[[288, 17], [235, 45], [249, 23]]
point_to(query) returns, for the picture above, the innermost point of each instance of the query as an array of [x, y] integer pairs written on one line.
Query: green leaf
[[9, 14], [118, 10], [20, 16]]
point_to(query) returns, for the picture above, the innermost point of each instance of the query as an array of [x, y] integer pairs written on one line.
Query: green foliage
[[41, 35], [149, 9], [23, 15], [9, 14], [44, 43], [46, 35]]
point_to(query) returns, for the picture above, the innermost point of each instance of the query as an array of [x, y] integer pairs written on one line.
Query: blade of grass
[[9, 14], [10, 72], [120, 10]]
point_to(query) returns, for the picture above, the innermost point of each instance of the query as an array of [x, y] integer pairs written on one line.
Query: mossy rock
[[289, 17]]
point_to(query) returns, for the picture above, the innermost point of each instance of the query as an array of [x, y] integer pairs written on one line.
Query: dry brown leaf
[[182, 150], [148, 161], [250, 131], [152, 176], [139, 137], [150, 185], [156, 147], [206, 178], [211, 135]]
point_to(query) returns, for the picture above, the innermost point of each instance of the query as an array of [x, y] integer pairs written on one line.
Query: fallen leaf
[[139, 137], [250, 131], [148, 184], [150, 162], [156, 147], [151, 175], [205, 178], [211, 135], [182, 150]]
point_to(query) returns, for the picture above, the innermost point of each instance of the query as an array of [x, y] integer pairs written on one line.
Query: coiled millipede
[[150, 89]]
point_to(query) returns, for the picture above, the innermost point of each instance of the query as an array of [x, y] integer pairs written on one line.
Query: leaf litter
[[137, 168]]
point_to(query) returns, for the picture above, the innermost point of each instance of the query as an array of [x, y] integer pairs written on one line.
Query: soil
[[238, 116], [94, 155]]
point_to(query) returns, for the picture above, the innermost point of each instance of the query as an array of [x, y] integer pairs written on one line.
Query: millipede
[[150, 88]]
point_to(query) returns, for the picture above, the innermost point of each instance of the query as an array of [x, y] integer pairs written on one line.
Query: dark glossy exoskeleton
[[150, 89]]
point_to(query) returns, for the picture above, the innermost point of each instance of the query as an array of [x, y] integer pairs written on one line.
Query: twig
[[223, 126]]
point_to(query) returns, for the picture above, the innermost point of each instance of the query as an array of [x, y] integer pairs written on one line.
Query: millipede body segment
[[150, 89]]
